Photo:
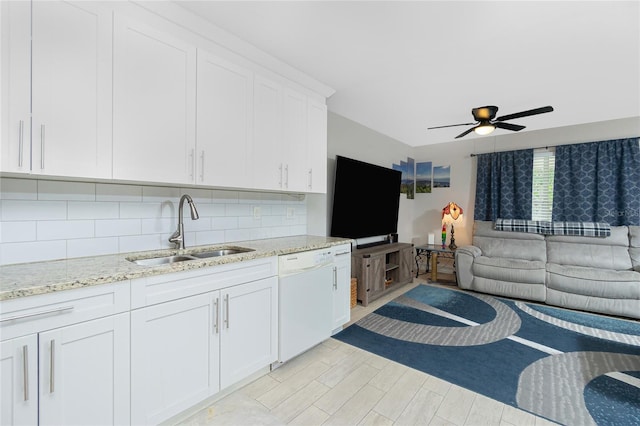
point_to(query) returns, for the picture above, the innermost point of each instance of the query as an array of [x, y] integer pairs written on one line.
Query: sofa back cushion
[[634, 247], [507, 244], [610, 252]]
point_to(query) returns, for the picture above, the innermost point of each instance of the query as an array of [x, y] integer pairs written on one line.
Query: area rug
[[570, 367]]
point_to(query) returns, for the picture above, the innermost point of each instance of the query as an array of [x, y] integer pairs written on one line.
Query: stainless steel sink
[[156, 261], [163, 260], [220, 252]]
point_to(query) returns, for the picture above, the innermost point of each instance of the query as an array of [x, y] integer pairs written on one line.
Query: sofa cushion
[[513, 245], [634, 247], [606, 253], [512, 270], [594, 281]]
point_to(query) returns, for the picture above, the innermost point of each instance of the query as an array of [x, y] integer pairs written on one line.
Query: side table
[[431, 253]]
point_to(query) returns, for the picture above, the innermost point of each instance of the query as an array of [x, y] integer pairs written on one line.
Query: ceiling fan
[[487, 123]]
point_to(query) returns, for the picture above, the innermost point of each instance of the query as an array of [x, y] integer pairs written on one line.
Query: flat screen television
[[366, 198]]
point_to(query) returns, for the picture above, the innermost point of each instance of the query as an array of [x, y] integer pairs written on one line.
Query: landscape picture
[[423, 177], [442, 176]]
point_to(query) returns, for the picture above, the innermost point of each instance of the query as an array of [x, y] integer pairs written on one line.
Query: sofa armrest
[[472, 251], [464, 265]]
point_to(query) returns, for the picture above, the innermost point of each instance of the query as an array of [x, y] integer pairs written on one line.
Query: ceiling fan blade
[[452, 125], [465, 133], [509, 126], [527, 113]]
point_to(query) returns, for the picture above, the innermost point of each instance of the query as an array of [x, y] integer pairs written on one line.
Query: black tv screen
[[366, 198]]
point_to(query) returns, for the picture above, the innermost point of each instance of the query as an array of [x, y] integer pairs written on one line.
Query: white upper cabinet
[[295, 141], [267, 134], [69, 70], [317, 146], [154, 105], [16, 86], [224, 122]]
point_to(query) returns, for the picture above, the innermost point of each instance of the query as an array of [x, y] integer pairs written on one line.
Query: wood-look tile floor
[[338, 384]]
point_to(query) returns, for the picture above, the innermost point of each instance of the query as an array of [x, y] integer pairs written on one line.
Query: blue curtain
[[503, 185], [598, 182]]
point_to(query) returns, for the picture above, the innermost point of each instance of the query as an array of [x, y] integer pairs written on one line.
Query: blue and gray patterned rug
[[570, 367]]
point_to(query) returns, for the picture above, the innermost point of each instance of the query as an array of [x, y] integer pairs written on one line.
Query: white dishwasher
[[305, 300]]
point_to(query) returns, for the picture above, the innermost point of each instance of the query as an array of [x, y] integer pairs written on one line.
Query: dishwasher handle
[[290, 272]]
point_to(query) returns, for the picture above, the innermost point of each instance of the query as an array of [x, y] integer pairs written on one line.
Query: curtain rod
[[475, 155]]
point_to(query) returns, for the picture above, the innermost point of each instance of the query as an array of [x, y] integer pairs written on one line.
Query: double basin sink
[[163, 260]]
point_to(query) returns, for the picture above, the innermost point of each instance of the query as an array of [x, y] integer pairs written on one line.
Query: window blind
[[543, 168]]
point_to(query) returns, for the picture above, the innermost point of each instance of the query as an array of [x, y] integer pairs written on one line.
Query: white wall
[[463, 166], [46, 219], [353, 140]]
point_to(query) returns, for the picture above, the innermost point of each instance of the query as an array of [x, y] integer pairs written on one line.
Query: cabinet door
[[224, 117], [249, 335], [375, 275], [174, 357], [267, 134], [407, 262], [317, 146], [19, 381], [71, 89], [84, 373], [341, 291], [154, 105], [16, 86], [296, 170]]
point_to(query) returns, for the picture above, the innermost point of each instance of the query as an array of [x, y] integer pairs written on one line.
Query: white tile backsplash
[[65, 229], [46, 220]]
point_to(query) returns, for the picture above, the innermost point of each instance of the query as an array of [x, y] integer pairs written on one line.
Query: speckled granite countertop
[[27, 279]]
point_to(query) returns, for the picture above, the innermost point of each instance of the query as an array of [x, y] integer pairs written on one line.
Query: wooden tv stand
[[381, 268]]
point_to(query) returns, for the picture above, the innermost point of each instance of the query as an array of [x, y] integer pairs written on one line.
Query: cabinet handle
[[226, 301], [335, 278], [25, 371], [35, 314], [42, 146], [310, 178], [216, 313], [20, 142], [52, 360], [286, 176], [202, 169], [193, 163]]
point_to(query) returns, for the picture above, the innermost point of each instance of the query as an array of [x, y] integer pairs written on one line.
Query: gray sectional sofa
[[598, 274]]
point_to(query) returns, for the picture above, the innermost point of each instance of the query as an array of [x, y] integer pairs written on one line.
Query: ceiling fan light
[[484, 129]]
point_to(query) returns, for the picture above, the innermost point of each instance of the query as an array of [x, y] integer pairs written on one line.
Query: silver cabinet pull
[[20, 143], [335, 278], [202, 169], [216, 313], [286, 176], [226, 301], [310, 178], [35, 314], [193, 163], [42, 146], [52, 360], [25, 371]]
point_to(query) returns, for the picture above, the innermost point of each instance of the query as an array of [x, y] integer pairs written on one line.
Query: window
[[544, 162]]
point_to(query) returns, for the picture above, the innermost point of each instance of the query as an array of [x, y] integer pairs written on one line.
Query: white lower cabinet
[[174, 357], [186, 350], [19, 381], [341, 288], [74, 375]]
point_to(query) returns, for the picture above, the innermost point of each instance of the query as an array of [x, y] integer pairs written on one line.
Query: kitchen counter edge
[[30, 279]]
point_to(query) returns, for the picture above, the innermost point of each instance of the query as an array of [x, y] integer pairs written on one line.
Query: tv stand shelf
[[380, 268]]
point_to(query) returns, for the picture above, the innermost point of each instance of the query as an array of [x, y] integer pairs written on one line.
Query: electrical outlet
[[256, 212], [290, 212]]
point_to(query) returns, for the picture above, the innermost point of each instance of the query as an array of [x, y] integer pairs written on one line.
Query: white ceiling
[[400, 67]]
